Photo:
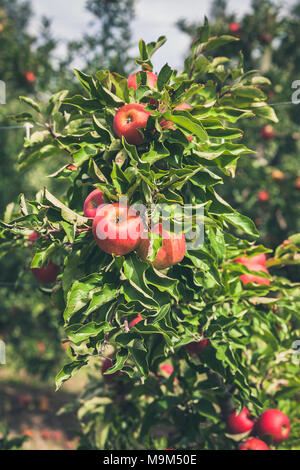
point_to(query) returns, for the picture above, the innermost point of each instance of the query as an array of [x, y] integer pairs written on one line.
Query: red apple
[[151, 79], [196, 347], [117, 229], [92, 202], [57, 435], [135, 321], [267, 132], [234, 27], [47, 273], [263, 196], [171, 252], [253, 444], [273, 423], [297, 184], [107, 364], [30, 77], [239, 423], [128, 120], [246, 278], [277, 175], [167, 368]]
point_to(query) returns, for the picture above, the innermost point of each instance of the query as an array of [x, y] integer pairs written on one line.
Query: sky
[[153, 19]]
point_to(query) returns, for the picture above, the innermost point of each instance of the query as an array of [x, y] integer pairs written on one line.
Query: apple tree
[[173, 348]]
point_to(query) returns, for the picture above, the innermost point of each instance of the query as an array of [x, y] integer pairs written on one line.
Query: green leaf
[[215, 42]]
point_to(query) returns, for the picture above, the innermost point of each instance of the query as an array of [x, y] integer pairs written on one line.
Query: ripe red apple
[[234, 27], [256, 259], [253, 444], [107, 364], [57, 435], [135, 321], [92, 202], [128, 120], [277, 175], [30, 77], [297, 184], [267, 132], [263, 196], [273, 423], [46, 433], [239, 423], [167, 368], [47, 273], [117, 229], [196, 347], [246, 278], [171, 252], [151, 79]]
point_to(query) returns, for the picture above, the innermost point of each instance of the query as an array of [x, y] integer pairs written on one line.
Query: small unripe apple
[[151, 79], [239, 423], [234, 27], [171, 252], [268, 132], [135, 321], [128, 120], [275, 424], [263, 196], [253, 444], [47, 273], [117, 229], [92, 202], [30, 76]]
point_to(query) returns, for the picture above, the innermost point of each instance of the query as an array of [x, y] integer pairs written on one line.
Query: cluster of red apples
[[273, 425]]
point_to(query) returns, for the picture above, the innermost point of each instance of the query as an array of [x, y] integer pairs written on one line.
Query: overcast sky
[[153, 19]]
